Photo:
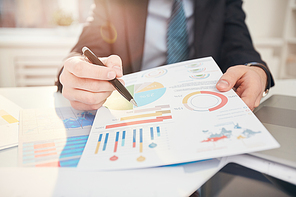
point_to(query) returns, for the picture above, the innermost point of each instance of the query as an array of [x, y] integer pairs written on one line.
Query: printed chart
[[155, 114], [9, 123], [143, 93], [6, 118], [155, 73], [129, 142], [204, 101], [200, 76], [64, 152], [231, 131], [179, 119], [54, 137]]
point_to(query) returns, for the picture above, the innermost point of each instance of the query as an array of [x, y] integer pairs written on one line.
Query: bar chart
[[64, 152], [53, 137], [137, 142], [155, 114], [6, 118]]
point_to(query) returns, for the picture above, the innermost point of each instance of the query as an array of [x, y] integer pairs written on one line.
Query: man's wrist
[[267, 72]]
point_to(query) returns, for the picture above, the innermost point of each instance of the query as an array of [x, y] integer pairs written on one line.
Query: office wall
[[267, 21], [272, 25]]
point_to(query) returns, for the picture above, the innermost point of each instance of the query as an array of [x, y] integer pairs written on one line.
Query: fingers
[[230, 78], [114, 62], [247, 82], [86, 85], [82, 106], [91, 99], [83, 69], [71, 81]]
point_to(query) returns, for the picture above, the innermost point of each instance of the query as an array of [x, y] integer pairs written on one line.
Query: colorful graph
[[138, 141], [193, 65], [199, 76], [197, 70], [81, 120], [65, 152], [155, 73], [6, 118], [204, 101], [142, 116], [52, 120], [53, 124], [144, 94], [233, 132]]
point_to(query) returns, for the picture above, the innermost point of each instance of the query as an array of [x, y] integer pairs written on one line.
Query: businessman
[[134, 35]]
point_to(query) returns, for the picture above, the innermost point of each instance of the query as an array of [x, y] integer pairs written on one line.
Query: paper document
[[53, 137], [180, 117], [9, 122]]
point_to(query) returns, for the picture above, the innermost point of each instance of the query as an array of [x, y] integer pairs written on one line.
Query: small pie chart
[[204, 101], [144, 94]]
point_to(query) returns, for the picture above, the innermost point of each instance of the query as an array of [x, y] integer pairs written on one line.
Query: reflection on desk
[[179, 180]]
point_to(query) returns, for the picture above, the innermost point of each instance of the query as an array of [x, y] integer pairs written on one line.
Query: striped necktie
[[177, 38]]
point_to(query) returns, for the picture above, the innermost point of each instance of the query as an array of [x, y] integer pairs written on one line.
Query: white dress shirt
[[159, 12]]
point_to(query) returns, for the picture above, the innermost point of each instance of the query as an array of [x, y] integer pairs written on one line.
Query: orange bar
[[41, 151], [44, 155], [50, 164], [157, 119], [44, 145]]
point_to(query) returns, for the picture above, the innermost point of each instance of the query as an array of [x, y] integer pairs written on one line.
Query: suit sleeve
[[237, 46]]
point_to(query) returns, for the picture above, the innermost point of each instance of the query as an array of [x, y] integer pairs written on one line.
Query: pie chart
[[144, 94], [204, 101]]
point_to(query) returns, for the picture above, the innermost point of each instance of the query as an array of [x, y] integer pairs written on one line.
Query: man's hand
[[248, 82], [86, 85]]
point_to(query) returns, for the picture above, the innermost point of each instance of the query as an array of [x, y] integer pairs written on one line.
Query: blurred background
[[35, 36]]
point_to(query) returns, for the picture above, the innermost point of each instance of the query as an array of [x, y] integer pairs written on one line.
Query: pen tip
[[133, 102]]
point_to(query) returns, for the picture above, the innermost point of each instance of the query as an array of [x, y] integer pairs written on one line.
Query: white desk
[[179, 180]]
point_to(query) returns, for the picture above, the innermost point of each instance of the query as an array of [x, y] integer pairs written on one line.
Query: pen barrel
[[121, 89]]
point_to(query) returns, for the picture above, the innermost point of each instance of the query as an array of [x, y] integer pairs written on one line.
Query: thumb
[[230, 77]]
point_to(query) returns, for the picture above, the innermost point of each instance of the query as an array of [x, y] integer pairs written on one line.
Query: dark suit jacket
[[118, 27]]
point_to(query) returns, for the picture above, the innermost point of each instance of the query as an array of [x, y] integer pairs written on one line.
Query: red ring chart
[[204, 101], [155, 73]]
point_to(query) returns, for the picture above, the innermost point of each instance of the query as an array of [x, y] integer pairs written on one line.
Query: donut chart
[[204, 101], [155, 73], [199, 76]]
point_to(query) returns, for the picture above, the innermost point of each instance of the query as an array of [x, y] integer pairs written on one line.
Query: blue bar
[[106, 140], [117, 136], [141, 135], [71, 154], [123, 138], [100, 138], [158, 131], [151, 132], [70, 163], [134, 136]]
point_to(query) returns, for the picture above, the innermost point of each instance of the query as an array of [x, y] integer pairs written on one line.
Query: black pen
[[115, 82]]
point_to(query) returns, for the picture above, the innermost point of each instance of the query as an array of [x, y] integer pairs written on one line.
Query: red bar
[[214, 139], [157, 119], [134, 144], [115, 146]]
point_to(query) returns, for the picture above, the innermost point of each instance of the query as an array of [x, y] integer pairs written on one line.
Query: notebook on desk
[[278, 115]]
